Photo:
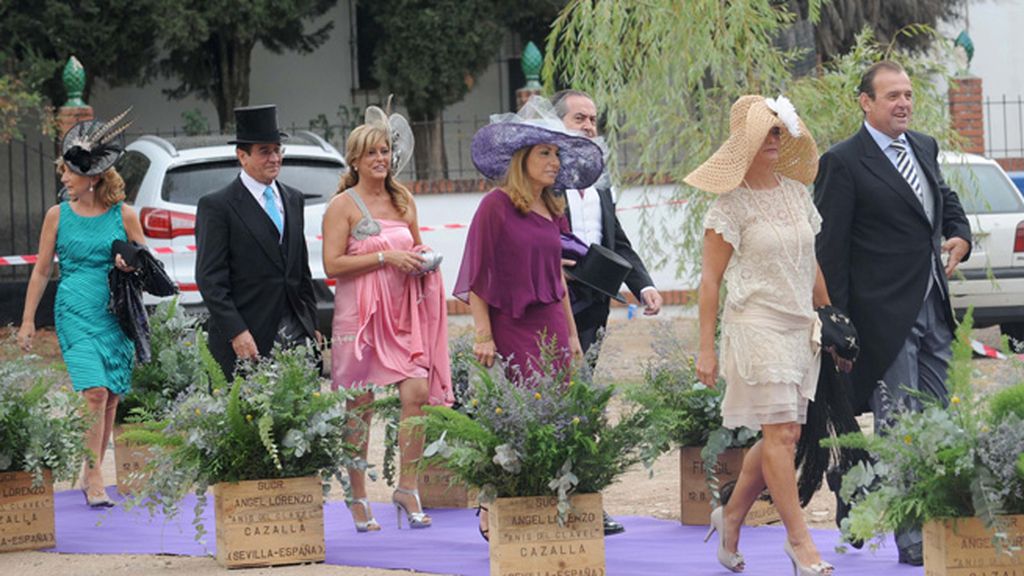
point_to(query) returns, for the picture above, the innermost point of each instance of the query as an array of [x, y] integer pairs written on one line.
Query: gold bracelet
[[483, 338]]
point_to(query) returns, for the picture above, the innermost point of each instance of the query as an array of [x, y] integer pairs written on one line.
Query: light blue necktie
[[271, 207]]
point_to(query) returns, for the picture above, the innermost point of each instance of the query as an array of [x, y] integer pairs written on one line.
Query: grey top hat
[[257, 125]]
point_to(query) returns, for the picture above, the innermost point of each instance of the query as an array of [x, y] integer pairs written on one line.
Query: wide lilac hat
[[582, 160]]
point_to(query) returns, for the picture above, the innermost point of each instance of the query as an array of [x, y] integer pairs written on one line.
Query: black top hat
[[602, 270], [257, 125]]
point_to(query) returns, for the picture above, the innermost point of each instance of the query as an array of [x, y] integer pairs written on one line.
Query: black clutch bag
[[837, 331]]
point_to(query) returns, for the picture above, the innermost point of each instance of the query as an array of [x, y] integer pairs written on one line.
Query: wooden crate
[[526, 537], [26, 512], [269, 522], [964, 547], [438, 491], [130, 459], [695, 496]]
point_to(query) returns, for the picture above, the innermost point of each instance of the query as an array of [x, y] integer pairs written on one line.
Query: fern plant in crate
[[683, 412], [42, 439], [174, 367], [273, 421], [42, 421], [956, 461]]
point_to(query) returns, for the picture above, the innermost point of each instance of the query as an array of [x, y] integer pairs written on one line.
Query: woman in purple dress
[[511, 273]]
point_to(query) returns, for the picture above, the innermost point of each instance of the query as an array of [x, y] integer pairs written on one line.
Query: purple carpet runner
[[453, 546]]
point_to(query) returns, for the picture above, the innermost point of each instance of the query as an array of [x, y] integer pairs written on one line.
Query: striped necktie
[[905, 165]]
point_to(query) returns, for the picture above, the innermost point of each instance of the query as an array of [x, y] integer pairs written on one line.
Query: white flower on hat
[[784, 109]]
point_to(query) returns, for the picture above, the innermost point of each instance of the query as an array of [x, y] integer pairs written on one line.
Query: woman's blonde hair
[[110, 188], [517, 186], [359, 141]]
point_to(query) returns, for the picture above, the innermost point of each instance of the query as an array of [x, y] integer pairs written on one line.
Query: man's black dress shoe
[[611, 527], [912, 555]]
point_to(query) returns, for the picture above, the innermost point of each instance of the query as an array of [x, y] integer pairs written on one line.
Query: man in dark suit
[[591, 215], [885, 210], [252, 265]]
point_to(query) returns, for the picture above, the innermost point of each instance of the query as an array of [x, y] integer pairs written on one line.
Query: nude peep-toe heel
[[821, 568], [733, 561]]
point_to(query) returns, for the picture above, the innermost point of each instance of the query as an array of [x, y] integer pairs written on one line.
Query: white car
[[165, 177], [992, 281]]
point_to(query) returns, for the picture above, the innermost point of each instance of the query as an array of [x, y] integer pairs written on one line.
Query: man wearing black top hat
[[599, 275], [252, 265]]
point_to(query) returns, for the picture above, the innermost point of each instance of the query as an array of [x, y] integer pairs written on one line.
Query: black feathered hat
[[91, 147]]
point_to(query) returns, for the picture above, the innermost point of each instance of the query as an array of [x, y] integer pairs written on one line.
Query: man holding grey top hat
[[610, 259], [252, 264]]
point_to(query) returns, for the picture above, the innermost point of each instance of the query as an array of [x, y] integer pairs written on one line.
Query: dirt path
[[629, 345]]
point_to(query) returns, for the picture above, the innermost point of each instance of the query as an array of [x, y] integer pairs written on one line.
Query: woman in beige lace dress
[[759, 236]]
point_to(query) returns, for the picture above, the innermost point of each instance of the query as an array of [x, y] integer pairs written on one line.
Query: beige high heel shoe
[[733, 561], [821, 568]]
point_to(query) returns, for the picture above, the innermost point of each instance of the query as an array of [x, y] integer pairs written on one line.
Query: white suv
[[993, 279], [165, 177]]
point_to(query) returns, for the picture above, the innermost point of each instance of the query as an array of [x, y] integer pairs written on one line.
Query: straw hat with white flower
[[750, 120]]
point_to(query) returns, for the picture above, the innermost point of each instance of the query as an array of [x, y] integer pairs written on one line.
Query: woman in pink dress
[[390, 321]]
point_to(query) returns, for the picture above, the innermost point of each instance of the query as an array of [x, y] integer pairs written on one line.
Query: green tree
[[429, 55], [842, 20], [665, 73], [209, 43], [112, 38]]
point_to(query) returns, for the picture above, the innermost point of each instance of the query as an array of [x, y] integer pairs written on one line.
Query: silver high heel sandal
[[822, 568], [733, 561], [370, 524], [415, 519]]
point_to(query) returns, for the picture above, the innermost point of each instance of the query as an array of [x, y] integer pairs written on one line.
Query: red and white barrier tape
[[982, 349], [27, 259]]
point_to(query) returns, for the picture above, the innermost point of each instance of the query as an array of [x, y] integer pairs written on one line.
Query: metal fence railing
[[28, 187], [1004, 127]]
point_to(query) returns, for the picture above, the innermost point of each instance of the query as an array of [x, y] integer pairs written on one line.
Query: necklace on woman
[[794, 262]]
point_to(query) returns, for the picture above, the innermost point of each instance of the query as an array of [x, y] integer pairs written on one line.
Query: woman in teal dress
[[81, 229]]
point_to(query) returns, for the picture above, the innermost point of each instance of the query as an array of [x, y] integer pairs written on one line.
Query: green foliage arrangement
[[942, 462], [549, 436], [272, 421], [1006, 402], [174, 368], [42, 422], [681, 410]]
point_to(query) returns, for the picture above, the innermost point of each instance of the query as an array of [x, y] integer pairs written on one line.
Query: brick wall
[[966, 112], [1011, 164]]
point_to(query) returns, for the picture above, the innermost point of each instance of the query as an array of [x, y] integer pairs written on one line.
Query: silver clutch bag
[[431, 260]]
